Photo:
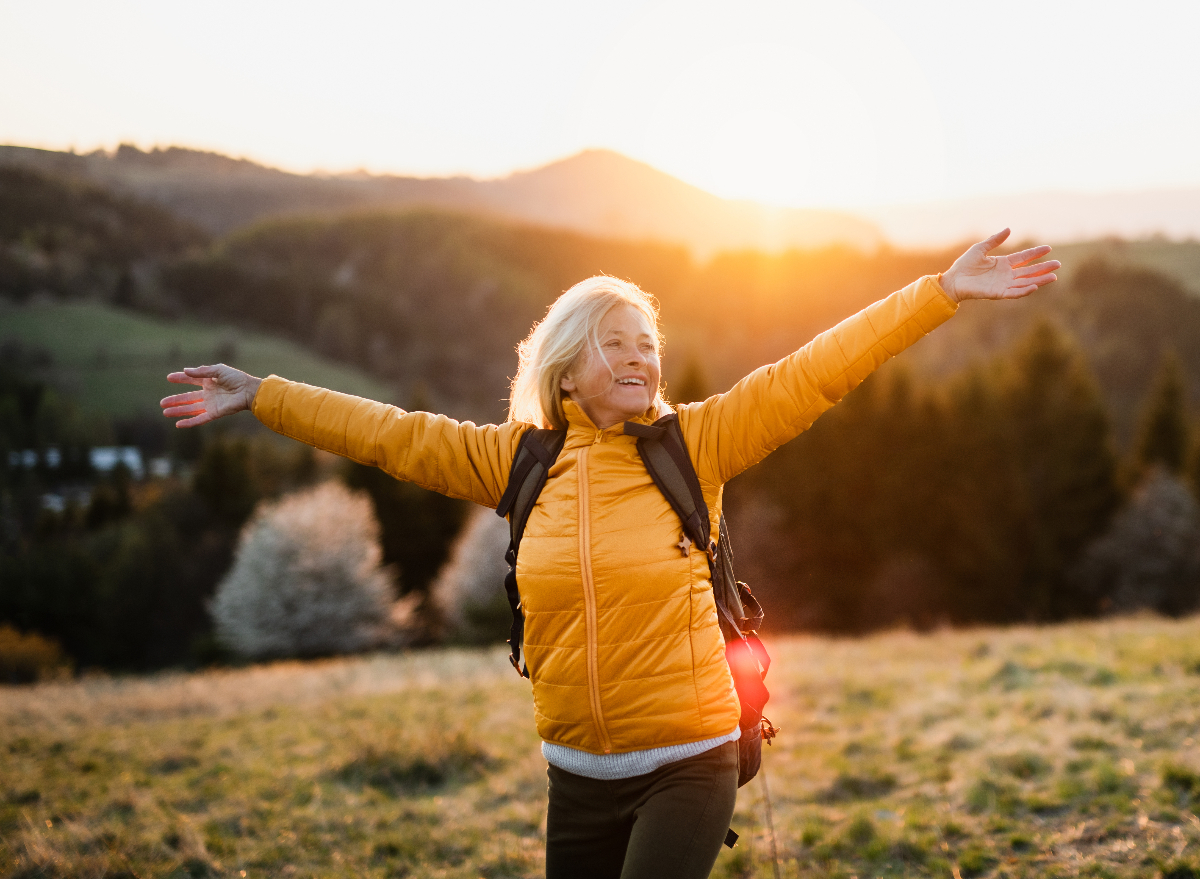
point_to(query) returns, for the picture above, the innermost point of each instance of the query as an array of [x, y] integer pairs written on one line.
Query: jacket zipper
[[589, 599]]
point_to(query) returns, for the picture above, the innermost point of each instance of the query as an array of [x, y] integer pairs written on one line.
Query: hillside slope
[[116, 361]]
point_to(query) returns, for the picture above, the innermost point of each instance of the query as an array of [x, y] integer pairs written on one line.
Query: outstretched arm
[[728, 433], [224, 391], [454, 458]]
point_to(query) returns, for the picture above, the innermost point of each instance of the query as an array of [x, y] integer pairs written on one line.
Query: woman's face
[[621, 381]]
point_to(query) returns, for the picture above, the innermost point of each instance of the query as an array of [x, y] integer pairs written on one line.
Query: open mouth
[[637, 382]]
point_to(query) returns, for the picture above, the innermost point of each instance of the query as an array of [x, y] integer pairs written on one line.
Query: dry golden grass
[[1065, 750]]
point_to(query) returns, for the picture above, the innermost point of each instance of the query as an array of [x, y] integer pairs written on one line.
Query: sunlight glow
[[790, 103], [844, 104]]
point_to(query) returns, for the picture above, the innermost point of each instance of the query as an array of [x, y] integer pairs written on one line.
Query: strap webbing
[[536, 453], [665, 456]]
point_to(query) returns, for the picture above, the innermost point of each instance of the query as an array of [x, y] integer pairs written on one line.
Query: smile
[[632, 381]]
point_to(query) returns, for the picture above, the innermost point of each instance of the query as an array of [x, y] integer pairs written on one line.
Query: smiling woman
[[633, 696]]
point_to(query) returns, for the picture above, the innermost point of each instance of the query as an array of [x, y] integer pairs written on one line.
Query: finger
[[1026, 289], [203, 371], [180, 399], [1021, 257], [182, 378], [203, 418], [1038, 269], [996, 240], [1018, 292], [181, 411]]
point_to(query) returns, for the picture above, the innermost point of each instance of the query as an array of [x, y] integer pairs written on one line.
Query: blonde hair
[[558, 340]]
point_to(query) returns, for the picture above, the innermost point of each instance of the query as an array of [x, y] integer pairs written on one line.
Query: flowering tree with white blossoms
[[469, 590], [306, 579]]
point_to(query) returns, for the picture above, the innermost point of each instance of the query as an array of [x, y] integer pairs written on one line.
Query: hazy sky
[[843, 103]]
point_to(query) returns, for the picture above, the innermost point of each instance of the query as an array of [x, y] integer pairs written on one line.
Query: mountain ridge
[[597, 192]]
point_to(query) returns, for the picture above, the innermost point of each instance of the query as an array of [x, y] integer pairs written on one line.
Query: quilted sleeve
[[459, 459], [728, 433]]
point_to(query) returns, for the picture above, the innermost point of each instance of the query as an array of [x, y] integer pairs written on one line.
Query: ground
[[1066, 751]]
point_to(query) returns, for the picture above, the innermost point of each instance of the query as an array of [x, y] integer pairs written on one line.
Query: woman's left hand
[[975, 275]]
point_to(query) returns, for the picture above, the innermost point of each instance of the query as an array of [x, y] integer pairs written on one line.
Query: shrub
[[469, 590], [28, 658], [1150, 555], [306, 580]]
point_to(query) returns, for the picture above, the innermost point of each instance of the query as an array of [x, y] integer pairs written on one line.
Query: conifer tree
[[1163, 436], [1063, 447], [982, 512]]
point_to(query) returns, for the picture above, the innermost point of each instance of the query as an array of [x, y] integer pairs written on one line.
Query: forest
[[1028, 462]]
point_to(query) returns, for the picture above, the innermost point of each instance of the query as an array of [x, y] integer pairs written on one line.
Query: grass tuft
[[1092, 743], [975, 860], [849, 787], [1022, 764], [443, 761], [990, 795]]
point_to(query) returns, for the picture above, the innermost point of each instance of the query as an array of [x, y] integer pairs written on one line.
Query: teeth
[[631, 381]]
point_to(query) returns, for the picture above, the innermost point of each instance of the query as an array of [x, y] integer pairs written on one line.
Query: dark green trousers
[[669, 824]]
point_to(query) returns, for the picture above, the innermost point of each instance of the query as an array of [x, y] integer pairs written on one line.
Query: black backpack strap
[[665, 455], [666, 458], [536, 453]]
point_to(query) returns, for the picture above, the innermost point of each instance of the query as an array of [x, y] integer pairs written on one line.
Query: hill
[[1051, 751], [597, 192], [115, 361]]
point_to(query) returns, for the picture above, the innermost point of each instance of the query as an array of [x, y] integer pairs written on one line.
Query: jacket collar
[[581, 430]]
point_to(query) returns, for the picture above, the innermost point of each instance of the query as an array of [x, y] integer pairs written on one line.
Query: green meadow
[[116, 361], [1055, 751]]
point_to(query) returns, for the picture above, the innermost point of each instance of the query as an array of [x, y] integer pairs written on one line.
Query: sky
[[837, 104]]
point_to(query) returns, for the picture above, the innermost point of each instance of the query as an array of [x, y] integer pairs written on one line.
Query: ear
[[567, 384]]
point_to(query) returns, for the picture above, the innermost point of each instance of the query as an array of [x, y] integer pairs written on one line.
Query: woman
[[632, 693]]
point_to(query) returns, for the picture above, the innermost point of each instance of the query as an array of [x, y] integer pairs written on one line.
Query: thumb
[[996, 240]]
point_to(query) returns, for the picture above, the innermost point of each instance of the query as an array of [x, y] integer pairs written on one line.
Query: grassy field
[[1065, 751], [116, 361]]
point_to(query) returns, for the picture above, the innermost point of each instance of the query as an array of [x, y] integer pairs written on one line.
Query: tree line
[[1013, 486], [980, 499]]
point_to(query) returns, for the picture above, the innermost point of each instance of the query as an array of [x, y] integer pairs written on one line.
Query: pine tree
[[1163, 436], [1062, 442]]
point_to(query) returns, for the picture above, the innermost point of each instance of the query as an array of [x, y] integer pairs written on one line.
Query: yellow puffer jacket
[[621, 633]]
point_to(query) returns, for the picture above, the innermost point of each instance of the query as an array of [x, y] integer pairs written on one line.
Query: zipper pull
[[599, 437]]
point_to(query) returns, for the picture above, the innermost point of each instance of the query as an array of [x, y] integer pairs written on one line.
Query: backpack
[[739, 614]]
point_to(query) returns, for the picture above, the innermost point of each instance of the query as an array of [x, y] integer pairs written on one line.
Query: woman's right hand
[[224, 391]]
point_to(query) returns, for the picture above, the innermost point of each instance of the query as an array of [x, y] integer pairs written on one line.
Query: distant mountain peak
[[596, 191]]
